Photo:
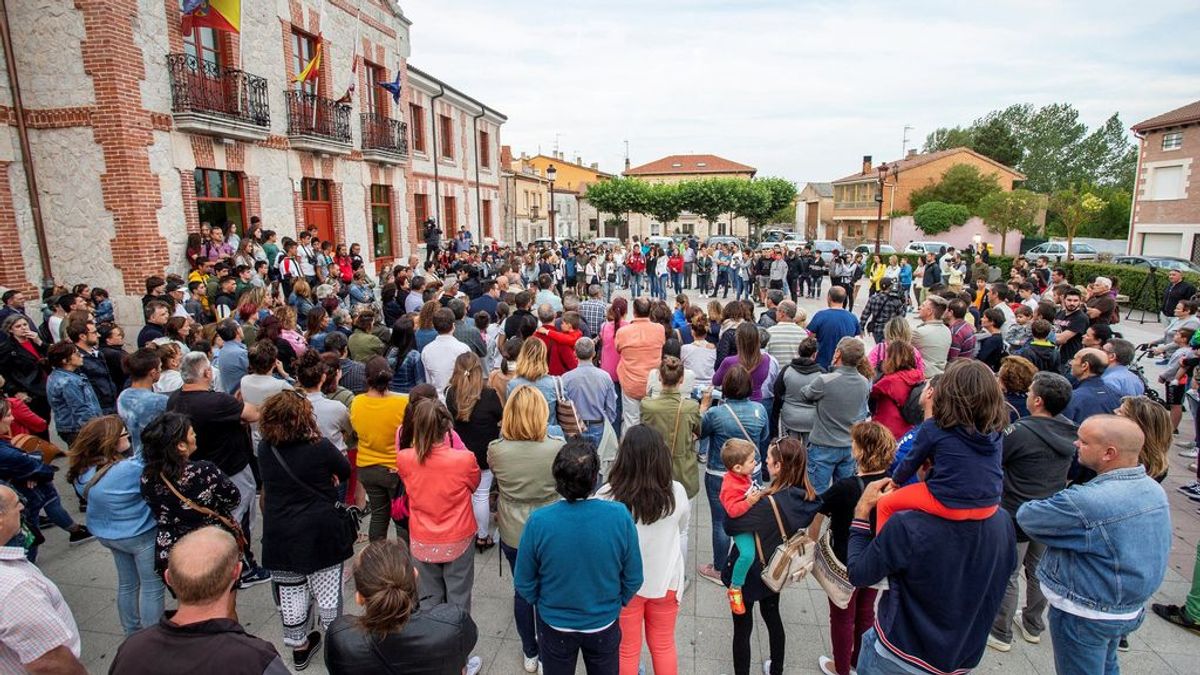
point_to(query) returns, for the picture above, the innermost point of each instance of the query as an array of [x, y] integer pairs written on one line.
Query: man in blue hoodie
[[1107, 543]]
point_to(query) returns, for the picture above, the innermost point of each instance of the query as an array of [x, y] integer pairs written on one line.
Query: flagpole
[[320, 53]]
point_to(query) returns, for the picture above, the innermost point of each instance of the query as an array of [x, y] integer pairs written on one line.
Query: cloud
[[797, 89]]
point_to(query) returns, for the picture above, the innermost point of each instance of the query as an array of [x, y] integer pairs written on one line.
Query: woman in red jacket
[[675, 265], [900, 375]]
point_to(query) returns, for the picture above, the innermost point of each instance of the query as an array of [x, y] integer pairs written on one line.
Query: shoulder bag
[[683, 465], [791, 560], [743, 428], [95, 479], [830, 572], [229, 524], [565, 412], [347, 515]]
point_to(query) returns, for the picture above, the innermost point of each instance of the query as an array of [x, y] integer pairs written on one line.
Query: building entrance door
[[318, 206]]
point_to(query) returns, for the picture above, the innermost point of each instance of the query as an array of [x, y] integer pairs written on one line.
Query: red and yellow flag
[[223, 15], [313, 68]]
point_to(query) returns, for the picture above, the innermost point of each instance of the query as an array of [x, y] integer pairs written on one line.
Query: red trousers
[[658, 616], [916, 497], [846, 628]]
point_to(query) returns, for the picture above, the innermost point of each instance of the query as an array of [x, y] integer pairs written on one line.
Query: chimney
[[578, 160], [595, 166], [626, 163], [911, 153], [866, 164]]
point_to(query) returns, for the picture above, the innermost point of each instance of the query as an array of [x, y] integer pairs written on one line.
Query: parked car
[[606, 242], [923, 247], [786, 245], [1056, 251], [723, 239], [826, 247], [775, 234], [665, 243], [869, 249], [1159, 261]]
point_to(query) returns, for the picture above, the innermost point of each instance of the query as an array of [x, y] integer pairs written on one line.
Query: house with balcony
[[857, 198], [1166, 206], [123, 137]]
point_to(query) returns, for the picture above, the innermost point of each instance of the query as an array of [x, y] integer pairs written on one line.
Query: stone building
[[525, 200], [1166, 210], [814, 211], [678, 168], [138, 132]]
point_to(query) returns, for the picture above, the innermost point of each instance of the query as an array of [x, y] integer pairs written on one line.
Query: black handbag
[[348, 516]]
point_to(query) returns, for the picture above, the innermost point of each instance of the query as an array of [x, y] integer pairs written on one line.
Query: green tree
[[711, 198], [1005, 212], [663, 202], [1075, 209], [946, 138], [937, 217], [760, 199], [1106, 157], [993, 137], [961, 184], [618, 196]]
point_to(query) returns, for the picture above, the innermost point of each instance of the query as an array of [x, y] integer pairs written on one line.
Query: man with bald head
[[1106, 541], [203, 633], [37, 629], [1093, 396]]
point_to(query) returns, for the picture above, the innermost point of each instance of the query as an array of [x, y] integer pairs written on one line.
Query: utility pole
[[904, 143]]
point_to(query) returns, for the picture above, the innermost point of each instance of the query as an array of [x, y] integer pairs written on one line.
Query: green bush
[[937, 217]]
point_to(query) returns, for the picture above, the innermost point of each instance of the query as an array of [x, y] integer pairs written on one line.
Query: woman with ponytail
[[396, 633]]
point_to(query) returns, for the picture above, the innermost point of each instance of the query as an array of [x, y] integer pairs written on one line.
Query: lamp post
[[883, 169], [552, 173]]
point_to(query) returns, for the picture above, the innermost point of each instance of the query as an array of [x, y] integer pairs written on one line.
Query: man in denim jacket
[[1106, 541]]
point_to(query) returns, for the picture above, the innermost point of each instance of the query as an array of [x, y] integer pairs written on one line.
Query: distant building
[[1166, 207], [856, 210], [814, 210], [574, 218], [525, 200], [678, 168]]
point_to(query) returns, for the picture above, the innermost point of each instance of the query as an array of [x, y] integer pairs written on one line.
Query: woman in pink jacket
[[439, 481], [888, 395]]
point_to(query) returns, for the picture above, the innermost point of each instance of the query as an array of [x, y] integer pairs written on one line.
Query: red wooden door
[[318, 207]]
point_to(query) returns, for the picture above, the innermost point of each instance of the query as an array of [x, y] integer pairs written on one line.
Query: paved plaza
[[87, 578]]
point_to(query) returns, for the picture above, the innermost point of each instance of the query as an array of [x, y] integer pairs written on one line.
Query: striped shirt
[[785, 341], [35, 619]]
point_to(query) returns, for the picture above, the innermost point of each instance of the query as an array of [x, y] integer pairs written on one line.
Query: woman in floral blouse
[[178, 490]]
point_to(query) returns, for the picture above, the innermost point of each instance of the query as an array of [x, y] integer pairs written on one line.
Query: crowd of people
[[986, 429]]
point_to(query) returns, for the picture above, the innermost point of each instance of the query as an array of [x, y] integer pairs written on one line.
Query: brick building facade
[[139, 132], [1166, 206]]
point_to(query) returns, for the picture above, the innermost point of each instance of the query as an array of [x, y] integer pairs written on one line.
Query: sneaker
[[80, 536], [302, 657], [1031, 638], [826, 665], [1189, 454], [473, 665], [707, 571], [532, 665], [1176, 615], [1194, 496], [254, 577], [1185, 442], [736, 604], [998, 644], [767, 667], [1190, 489], [1123, 645]]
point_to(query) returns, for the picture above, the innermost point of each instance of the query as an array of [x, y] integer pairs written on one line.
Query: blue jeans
[[720, 540], [828, 464], [871, 662], [722, 282], [594, 433], [139, 589], [1087, 645], [635, 285], [560, 650], [522, 610], [739, 287], [662, 286], [677, 281]]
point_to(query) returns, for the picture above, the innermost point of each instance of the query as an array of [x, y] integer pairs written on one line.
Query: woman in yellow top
[[878, 269], [375, 416]]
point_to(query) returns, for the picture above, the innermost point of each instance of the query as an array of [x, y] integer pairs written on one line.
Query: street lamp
[[552, 173], [883, 169]]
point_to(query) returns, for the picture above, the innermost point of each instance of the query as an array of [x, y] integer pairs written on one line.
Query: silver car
[[1056, 251]]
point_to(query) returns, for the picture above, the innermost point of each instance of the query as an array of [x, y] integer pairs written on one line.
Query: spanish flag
[[223, 15], [313, 68]]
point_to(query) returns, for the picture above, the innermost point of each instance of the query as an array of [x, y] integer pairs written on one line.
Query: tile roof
[[917, 160], [1184, 115], [822, 189], [688, 164]]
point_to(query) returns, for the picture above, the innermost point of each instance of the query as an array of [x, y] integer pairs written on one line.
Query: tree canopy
[[760, 201], [961, 184], [937, 217], [1006, 212]]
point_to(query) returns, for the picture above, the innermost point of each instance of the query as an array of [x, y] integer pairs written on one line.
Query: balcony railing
[[204, 87], [384, 133], [312, 115]]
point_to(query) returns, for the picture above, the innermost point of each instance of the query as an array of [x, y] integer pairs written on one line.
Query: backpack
[[912, 411]]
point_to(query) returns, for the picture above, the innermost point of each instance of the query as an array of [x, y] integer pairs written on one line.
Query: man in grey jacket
[[841, 399], [1038, 450]]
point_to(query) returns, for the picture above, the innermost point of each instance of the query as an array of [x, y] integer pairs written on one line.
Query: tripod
[[1149, 287]]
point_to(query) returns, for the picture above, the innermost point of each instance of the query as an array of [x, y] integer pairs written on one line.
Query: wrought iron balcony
[[318, 124], [210, 99], [384, 139]]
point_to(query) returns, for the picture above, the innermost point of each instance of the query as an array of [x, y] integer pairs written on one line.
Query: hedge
[[1128, 279]]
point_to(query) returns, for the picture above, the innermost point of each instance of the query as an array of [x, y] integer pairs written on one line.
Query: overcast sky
[[797, 89]]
